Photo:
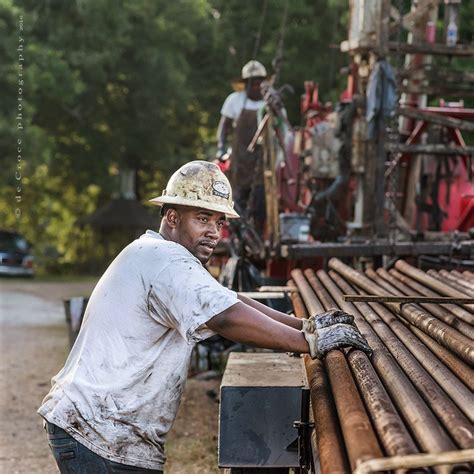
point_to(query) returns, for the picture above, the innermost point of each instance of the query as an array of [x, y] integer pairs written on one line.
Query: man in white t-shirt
[[239, 116], [111, 406]]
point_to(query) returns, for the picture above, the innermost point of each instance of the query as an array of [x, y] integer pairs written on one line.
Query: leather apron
[[246, 169]]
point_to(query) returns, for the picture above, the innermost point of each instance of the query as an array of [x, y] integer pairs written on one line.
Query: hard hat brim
[[228, 211]]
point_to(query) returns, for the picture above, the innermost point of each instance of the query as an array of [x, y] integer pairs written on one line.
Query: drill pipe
[[458, 311], [435, 309], [448, 282], [458, 278], [361, 442], [424, 425], [457, 366], [433, 283], [412, 362], [467, 329], [440, 331], [464, 285], [332, 455], [388, 424], [312, 304], [468, 274], [463, 398]]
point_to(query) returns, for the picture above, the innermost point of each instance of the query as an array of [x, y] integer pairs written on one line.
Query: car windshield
[[13, 242]]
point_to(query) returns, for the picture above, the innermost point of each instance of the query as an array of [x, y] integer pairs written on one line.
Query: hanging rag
[[381, 96]]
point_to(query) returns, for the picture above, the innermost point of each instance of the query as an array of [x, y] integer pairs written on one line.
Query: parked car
[[15, 255]]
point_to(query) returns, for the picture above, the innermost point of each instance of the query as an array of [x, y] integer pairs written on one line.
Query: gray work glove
[[332, 330], [323, 320]]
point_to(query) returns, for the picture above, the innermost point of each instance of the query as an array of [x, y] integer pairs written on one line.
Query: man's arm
[[272, 313], [246, 324], [225, 125]]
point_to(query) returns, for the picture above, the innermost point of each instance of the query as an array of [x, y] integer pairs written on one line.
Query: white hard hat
[[199, 184], [253, 69]]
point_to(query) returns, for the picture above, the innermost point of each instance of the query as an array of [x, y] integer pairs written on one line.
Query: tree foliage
[[110, 84]]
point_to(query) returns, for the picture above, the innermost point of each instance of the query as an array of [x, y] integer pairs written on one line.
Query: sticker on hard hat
[[219, 188]]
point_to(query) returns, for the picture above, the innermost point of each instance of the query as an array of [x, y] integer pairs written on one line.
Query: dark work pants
[[74, 458]]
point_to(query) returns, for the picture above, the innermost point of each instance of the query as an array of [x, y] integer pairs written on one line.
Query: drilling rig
[[360, 201]]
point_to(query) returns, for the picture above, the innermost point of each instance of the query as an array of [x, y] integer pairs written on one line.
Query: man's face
[[198, 230], [253, 88]]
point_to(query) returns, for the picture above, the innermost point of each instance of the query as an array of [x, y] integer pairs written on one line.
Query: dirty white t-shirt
[[119, 392]]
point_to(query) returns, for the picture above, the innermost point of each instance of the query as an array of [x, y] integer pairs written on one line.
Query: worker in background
[[239, 116], [112, 405]]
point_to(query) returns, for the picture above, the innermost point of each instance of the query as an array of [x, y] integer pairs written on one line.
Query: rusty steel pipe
[[389, 426], [456, 365], [468, 274], [312, 304], [440, 331], [360, 440], [458, 275], [424, 425], [423, 369], [319, 290], [458, 278], [454, 387], [446, 281], [465, 283], [442, 435], [458, 311], [435, 309], [431, 282], [332, 455]]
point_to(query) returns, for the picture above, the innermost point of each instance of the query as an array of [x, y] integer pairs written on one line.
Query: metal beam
[[437, 119], [432, 49], [430, 149], [406, 299], [377, 248]]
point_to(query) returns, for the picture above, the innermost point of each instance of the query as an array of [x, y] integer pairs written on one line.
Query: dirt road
[[34, 345]]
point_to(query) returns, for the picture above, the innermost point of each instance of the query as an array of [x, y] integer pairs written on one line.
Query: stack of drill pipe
[[359, 437], [426, 429], [433, 283], [356, 423], [444, 392], [444, 334], [468, 274], [332, 455], [456, 277], [457, 366], [435, 377], [414, 399], [460, 369], [460, 317], [445, 277]]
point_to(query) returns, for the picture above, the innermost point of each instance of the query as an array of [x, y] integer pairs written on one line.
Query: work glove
[[332, 330], [220, 154], [323, 320], [223, 155]]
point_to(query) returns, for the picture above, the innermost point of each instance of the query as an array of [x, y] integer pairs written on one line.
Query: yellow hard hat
[[199, 184], [253, 69]]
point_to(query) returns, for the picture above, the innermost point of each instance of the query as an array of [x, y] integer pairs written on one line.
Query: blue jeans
[[74, 458]]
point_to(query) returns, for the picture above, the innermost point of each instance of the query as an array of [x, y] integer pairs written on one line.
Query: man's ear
[[172, 217]]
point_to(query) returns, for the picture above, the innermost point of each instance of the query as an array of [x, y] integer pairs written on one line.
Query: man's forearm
[[272, 313], [242, 323], [222, 132]]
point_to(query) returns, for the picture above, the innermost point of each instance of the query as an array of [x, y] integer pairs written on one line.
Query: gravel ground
[[34, 345]]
